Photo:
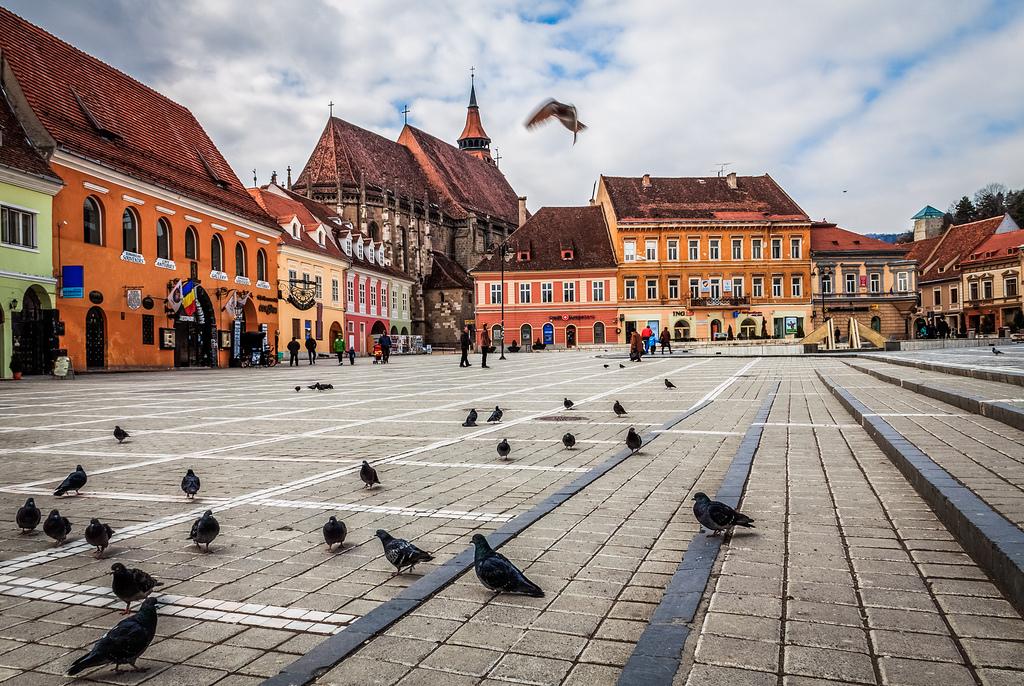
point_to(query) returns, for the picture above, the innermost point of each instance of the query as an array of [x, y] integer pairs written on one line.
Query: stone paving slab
[[978, 363]]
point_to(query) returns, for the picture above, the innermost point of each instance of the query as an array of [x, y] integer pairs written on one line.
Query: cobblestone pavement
[[847, 577], [972, 358], [987, 391]]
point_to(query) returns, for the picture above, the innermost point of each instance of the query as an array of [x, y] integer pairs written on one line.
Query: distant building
[[991, 283], [928, 223]]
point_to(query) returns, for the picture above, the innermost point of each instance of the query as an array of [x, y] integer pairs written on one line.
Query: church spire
[[474, 139]]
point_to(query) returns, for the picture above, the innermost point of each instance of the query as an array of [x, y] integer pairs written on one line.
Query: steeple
[[474, 139]]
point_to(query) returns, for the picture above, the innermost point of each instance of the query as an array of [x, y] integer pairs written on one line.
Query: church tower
[[474, 139]]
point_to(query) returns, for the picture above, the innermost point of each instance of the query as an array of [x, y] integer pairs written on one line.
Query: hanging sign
[[72, 281], [134, 298]]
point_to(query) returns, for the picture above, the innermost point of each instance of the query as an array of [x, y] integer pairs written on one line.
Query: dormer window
[[370, 254], [320, 237], [523, 256], [567, 253], [359, 250], [380, 254], [347, 245]]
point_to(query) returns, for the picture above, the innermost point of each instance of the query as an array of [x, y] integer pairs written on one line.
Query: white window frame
[[547, 292], [350, 291], [651, 250], [651, 289], [776, 248], [319, 283], [568, 291], [1007, 280], [987, 289], [629, 250], [776, 286], [902, 282], [335, 290], [796, 286], [525, 292], [875, 282], [757, 287], [716, 287], [496, 293], [796, 248], [694, 286], [629, 289], [737, 286], [737, 248], [597, 291], [714, 248], [756, 249], [672, 249], [848, 279], [673, 288], [693, 249]]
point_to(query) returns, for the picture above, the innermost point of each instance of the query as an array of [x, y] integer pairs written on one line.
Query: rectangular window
[[851, 283], [737, 248], [776, 248], [296, 327], [672, 249], [937, 297], [716, 288], [292, 276], [305, 278], [569, 291], [547, 292], [652, 289], [755, 249], [954, 295], [986, 289], [737, 286], [797, 286], [349, 295], [902, 282], [1010, 287], [714, 249], [629, 251], [362, 294], [319, 287], [758, 286], [876, 283], [495, 293], [794, 248], [524, 292], [776, 286], [384, 300], [693, 249], [630, 289], [148, 329], [335, 292], [405, 302], [694, 287], [972, 290], [597, 291], [17, 227], [651, 250], [673, 288], [373, 298]]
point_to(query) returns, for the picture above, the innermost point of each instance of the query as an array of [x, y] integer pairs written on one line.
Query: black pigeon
[[298, 388], [504, 449], [74, 481], [124, 644], [401, 553], [315, 387], [498, 574], [120, 434], [716, 516], [568, 404], [368, 475], [99, 535], [334, 532], [996, 351], [496, 415], [669, 384], [28, 516], [470, 418], [633, 440], [606, 366], [204, 530], [568, 440], [131, 585], [57, 527], [619, 409], [326, 387], [621, 366], [190, 484]]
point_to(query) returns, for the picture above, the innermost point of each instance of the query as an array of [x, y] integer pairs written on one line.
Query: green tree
[[990, 201], [963, 211], [1015, 205]]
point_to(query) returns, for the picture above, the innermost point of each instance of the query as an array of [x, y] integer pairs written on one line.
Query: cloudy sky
[[900, 104]]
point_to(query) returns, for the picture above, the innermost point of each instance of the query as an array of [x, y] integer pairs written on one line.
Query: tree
[[1015, 206], [989, 201], [963, 211]]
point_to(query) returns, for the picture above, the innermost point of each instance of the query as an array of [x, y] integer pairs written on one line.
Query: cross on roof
[[331, 105], [497, 158], [405, 111]]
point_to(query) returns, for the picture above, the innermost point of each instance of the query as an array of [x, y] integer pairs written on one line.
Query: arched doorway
[[195, 334], [920, 325], [95, 339], [748, 328], [681, 330], [876, 324], [334, 333], [376, 331], [549, 333], [526, 336], [405, 331], [394, 330], [32, 332], [716, 328], [599, 333], [570, 336]]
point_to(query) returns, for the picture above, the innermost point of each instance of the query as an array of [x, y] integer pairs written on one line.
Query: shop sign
[[790, 325], [243, 280], [167, 338], [571, 317], [263, 284], [132, 257], [218, 276], [267, 308], [72, 281], [680, 313], [134, 298], [165, 264], [705, 285]]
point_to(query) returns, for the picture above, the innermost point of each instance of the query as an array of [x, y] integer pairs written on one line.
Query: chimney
[[730, 179], [273, 177], [646, 181], [289, 177], [522, 210]]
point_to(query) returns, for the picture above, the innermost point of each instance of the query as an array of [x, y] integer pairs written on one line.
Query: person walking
[[636, 347], [645, 335], [293, 351], [666, 341], [351, 355], [485, 344], [339, 349], [385, 347], [311, 348], [464, 343]]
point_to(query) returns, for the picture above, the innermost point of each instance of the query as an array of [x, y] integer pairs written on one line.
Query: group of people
[[466, 344], [646, 342], [381, 350]]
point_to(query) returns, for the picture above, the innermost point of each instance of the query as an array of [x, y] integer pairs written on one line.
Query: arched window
[[191, 243], [92, 221], [682, 330], [496, 332], [599, 333], [526, 335], [748, 328], [130, 230], [261, 265], [216, 254], [549, 333], [374, 232], [876, 324], [163, 239], [240, 266]]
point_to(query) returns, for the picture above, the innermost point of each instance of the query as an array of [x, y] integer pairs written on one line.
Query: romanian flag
[[188, 297]]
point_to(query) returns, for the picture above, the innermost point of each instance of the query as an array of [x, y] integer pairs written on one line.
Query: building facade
[[560, 285], [864, 278], [710, 258], [991, 284]]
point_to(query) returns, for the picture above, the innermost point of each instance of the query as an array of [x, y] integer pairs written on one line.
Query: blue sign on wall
[[72, 281], [549, 334]]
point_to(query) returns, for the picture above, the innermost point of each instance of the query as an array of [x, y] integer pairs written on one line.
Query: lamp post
[[504, 254], [821, 274]]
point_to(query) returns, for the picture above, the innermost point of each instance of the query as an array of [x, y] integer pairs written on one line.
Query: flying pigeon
[[618, 409], [996, 351], [633, 440], [368, 474], [401, 553], [669, 384], [568, 404], [124, 644], [498, 574], [99, 535], [716, 516], [568, 440], [298, 388], [131, 584], [190, 484], [496, 415], [28, 516], [74, 481], [204, 530], [120, 434], [334, 532], [566, 114], [470, 418], [57, 527], [504, 449]]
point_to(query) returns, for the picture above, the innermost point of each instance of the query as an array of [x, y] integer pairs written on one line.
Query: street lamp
[[821, 274], [504, 254]]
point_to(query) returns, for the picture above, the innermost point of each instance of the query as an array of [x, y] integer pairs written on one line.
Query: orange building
[[708, 255], [163, 258]]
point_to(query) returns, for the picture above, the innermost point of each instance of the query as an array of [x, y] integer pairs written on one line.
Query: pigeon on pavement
[[120, 434], [74, 481], [470, 418], [131, 584], [204, 530], [568, 440], [717, 516], [619, 409], [567, 404], [504, 449], [124, 644], [669, 384], [496, 415], [401, 553], [298, 388], [334, 532], [28, 516], [190, 484], [99, 535], [57, 527], [996, 351], [621, 366], [606, 366], [633, 440], [368, 475], [498, 574], [326, 387]]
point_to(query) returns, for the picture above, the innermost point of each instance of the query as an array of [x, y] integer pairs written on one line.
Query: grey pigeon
[[618, 409], [716, 516], [568, 404], [401, 553], [334, 532], [504, 449], [190, 484], [669, 384], [326, 387], [496, 415], [621, 366], [498, 574], [606, 366], [98, 534], [131, 585], [633, 440], [74, 481], [368, 475], [315, 386], [124, 644], [120, 434], [568, 440], [470, 418], [57, 527], [996, 351], [204, 530], [298, 388], [28, 516]]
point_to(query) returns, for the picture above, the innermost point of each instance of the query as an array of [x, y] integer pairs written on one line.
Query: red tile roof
[[756, 198], [831, 238], [97, 112], [446, 273], [474, 128], [283, 209], [959, 241], [550, 231], [922, 249], [998, 246], [16, 151]]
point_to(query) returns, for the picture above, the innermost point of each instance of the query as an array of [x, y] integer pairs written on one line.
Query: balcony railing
[[719, 302]]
